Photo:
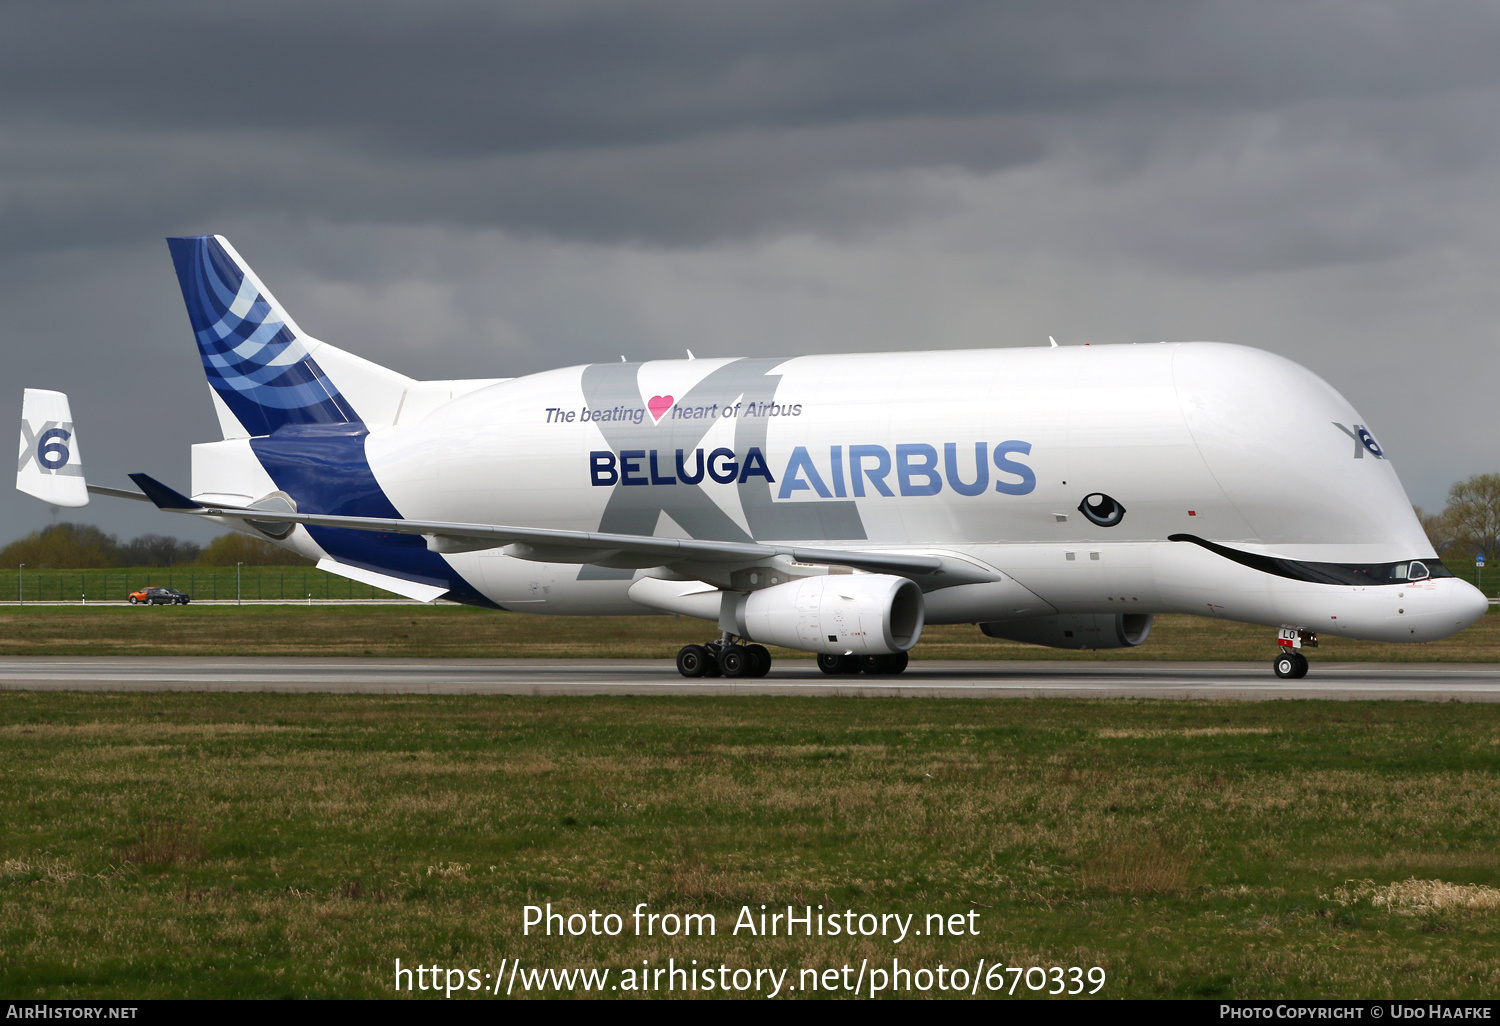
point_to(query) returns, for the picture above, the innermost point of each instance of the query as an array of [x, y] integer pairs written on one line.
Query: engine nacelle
[[1080, 630], [866, 614]]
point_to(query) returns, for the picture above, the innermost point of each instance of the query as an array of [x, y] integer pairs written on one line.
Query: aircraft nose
[[1468, 603]]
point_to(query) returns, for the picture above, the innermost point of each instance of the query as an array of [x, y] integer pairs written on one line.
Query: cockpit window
[[1359, 574]]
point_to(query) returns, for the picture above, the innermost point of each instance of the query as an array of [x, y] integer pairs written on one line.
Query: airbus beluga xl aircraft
[[834, 504]]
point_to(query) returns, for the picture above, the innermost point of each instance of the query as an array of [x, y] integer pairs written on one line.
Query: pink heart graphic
[[659, 405]]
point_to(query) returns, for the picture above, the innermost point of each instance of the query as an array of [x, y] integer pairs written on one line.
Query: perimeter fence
[[255, 583]]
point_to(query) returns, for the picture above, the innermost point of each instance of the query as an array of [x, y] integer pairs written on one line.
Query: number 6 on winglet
[[49, 465]]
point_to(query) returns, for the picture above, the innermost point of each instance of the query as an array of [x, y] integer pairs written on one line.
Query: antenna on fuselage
[[1053, 341], [690, 354]]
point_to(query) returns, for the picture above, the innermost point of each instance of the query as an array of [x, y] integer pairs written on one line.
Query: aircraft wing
[[118, 493], [554, 546]]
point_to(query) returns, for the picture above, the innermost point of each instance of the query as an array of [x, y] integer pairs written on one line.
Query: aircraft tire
[[1301, 665], [898, 662], [850, 663], [831, 664], [734, 662], [692, 660], [761, 660], [1286, 666]]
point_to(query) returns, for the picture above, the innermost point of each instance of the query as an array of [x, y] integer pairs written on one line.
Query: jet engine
[[1080, 630], [863, 614]]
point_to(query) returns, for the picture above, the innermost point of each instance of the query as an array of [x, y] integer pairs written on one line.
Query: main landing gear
[[875, 665], [1291, 664], [723, 658]]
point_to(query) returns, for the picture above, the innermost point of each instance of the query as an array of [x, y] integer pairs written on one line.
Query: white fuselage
[[1232, 445]]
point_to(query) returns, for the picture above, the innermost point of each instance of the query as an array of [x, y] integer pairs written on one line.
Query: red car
[[159, 597]]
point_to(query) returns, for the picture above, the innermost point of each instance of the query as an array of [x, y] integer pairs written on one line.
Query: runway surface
[[1469, 682]]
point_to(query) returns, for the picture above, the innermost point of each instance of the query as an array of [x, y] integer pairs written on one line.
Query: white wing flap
[[410, 589]]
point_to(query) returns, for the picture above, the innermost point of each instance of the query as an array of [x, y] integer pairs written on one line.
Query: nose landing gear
[[1291, 664], [724, 658]]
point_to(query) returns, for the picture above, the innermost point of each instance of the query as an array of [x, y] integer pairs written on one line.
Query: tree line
[[1470, 523], [85, 547]]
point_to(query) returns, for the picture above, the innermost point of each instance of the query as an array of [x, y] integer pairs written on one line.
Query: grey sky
[[477, 189]]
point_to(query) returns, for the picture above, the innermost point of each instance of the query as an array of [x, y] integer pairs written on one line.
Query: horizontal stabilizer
[[164, 497]]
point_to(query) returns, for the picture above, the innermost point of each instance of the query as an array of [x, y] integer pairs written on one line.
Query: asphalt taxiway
[[1468, 682]]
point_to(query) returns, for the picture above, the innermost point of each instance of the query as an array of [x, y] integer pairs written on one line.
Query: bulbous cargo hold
[[1083, 631]]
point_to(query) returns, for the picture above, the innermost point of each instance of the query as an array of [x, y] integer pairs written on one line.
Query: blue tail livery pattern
[[324, 469], [254, 359]]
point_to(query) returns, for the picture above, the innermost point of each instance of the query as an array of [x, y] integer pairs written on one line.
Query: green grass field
[[447, 630], [200, 845], [208, 845]]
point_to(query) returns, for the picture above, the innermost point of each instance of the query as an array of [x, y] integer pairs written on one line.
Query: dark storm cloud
[[667, 122], [69, 188], [487, 77]]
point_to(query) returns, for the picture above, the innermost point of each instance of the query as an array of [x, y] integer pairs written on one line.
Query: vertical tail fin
[[256, 358], [50, 466]]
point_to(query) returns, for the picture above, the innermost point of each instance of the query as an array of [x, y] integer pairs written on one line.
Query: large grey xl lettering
[[1362, 440], [48, 448], [637, 510], [1359, 448]]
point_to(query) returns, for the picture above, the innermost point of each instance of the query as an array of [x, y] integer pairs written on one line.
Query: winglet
[[164, 497], [48, 464]]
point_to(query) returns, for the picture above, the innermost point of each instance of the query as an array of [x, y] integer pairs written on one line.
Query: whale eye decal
[[1101, 509]]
